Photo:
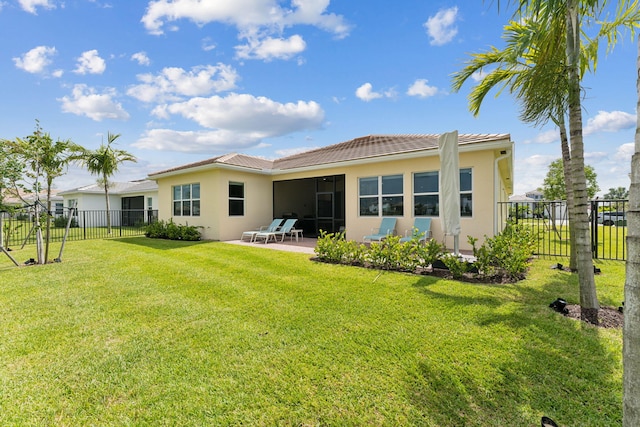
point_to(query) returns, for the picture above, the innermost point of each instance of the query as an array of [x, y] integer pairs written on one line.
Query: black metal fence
[[18, 227], [549, 221]]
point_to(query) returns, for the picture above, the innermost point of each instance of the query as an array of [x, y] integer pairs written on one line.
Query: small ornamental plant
[[505, 256]]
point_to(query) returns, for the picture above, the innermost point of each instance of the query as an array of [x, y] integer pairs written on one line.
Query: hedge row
[[507, 255]]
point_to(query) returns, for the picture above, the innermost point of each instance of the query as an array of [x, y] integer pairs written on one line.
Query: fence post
[[84, 224]]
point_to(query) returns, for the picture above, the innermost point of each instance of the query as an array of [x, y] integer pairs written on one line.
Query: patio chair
[[282, 231], [387, 228], [265, 228], [421, 230]]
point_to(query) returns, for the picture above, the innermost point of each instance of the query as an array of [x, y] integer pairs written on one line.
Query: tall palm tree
[[631, 328], [533, 67], [562, 39], [104, 162]]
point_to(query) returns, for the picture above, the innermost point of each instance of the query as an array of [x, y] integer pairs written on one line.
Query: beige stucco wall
[[487, 189], [484, 199], [214, 202]]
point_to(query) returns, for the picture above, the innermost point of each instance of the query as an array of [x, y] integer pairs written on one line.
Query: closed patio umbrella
[[450, 187]]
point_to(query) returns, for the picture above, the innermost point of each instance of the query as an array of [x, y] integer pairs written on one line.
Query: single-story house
[[23, 199], [135, 199], [347, 186]]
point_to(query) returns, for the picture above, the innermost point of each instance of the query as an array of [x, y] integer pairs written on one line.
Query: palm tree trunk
[[589, 306], [631, 329], [106, 195], [566, 168]]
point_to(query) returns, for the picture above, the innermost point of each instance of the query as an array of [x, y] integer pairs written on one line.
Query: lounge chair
[[421, 230], [387, 228], [274, 226], [282, 231]]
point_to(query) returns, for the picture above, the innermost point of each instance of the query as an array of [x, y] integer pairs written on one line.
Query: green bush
[[430, 252], [172, 231], [507, 254], [61, 222], [456, 265], [391, 254], [510, 251], [333, 247]]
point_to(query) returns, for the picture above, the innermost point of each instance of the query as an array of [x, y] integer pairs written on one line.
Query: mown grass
[[147, 332], [610, 241]]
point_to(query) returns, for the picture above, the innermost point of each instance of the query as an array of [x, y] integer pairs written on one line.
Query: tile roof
[[365, 147], [117, 187], [376, 146]]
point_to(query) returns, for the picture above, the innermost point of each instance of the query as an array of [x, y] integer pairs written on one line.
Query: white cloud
[[84, 101], [246, 14], [30, 5], [530, 172], [609, 121], [205, 141], [141, 58], [547, 137], [366, 93], [479, 75], [207, 44], [421, 89], [173, 84], [249, 115], [90, 63], [441, 28], [36, 60], [270, 48], [624, 153]]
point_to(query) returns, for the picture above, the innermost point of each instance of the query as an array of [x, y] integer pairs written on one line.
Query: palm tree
[[533, 66], [559, 48], [104, 162], [631, 328]]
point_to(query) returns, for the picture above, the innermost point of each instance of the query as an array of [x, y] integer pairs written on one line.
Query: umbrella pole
[[456, 245]]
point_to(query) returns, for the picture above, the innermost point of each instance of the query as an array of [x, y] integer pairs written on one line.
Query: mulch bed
[[608, 317]]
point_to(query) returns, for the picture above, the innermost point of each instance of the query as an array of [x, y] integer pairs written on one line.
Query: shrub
[[456, 265], [172, 231], [61, 222], [333, 247], [428, 253], [509, 251]]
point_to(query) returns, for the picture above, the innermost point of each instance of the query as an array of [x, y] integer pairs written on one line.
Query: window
[[236, 198], [381, 194], [466, 199], [186, 200], [426, 196], [426, 201], [149, 203]]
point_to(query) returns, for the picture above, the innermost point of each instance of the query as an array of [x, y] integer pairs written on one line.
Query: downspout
[[496, 187]]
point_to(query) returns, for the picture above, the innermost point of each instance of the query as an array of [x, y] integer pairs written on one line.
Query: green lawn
[[144, 332], [610, 240]]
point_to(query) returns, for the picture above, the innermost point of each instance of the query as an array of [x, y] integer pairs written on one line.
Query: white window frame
[[380, 196]]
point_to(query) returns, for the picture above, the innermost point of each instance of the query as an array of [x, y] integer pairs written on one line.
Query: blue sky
[[185, 80]]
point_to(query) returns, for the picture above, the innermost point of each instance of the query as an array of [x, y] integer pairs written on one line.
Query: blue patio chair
[[282, 231], [387, 228], [421, 230], [274, 226]]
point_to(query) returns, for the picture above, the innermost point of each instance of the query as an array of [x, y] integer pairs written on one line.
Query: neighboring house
[[136, 199], [347, 186], [24, 199], [535, 195]]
